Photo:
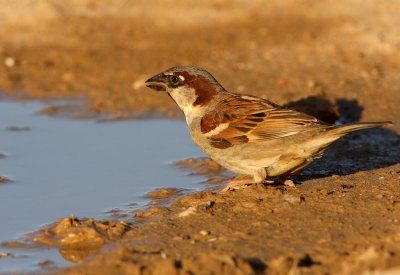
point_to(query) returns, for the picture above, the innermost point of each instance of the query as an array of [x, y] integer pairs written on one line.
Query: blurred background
[[284, 50]]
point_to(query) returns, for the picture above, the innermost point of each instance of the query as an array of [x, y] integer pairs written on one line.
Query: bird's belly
[[240, 159], [235, 162], [244, 166]]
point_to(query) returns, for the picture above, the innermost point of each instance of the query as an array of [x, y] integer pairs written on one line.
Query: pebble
[[9, 62], [204, 232], [4, 179], [289, 183], [6, 255], [311, 84], [177, 238]]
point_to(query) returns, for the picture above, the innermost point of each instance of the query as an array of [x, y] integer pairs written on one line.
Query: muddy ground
[[344, 215]]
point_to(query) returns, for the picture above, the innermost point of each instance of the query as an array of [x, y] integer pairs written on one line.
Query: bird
[[249, 135]]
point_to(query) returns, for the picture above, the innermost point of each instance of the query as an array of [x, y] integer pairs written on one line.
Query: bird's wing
[[244, 119]]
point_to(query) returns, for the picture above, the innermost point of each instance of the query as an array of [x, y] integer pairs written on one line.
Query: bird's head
[[189, 87]]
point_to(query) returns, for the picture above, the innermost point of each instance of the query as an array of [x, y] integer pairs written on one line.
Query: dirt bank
[[343, 218]]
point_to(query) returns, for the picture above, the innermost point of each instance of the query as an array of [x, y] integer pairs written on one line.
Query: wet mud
[[78, 238], [336, 61], [4, 179], [318, 226]]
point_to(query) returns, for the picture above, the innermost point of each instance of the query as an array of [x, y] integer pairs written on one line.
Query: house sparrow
[[246, 134]]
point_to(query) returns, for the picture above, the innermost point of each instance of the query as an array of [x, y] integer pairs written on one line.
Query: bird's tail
[[348, 128], [320, 144]]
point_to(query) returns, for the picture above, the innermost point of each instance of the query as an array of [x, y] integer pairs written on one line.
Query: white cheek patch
[[184, 97], [181, 78], [217, 129]]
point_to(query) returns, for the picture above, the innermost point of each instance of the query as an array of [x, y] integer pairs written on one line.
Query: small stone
[[4, 179], [9, 62], [204, 232], [6, 255], [311, 83], [289, 183]]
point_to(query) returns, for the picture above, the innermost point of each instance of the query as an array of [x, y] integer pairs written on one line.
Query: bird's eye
[[175, 79]]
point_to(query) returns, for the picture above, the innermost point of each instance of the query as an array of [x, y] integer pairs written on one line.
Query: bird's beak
[[157, 82]]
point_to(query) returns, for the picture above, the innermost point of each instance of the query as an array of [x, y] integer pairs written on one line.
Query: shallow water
[[60, 167]]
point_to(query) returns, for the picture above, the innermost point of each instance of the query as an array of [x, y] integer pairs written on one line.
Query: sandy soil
[[344, 217]]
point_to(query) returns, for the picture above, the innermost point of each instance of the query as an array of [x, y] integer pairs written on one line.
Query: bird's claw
[[236, 184]]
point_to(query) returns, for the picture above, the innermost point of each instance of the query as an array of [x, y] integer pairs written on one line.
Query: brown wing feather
[[256, 119]]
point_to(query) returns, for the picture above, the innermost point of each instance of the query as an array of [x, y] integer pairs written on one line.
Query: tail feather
[[320, 144], [348, 128]]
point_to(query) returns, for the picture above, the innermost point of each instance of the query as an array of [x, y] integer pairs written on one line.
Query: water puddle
[[58, 167]]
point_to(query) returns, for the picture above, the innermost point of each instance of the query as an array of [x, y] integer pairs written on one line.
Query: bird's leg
[[269, 181], [238, 183]]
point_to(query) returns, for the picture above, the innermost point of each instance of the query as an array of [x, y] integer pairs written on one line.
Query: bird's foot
[[284, 181], [238, 183]]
